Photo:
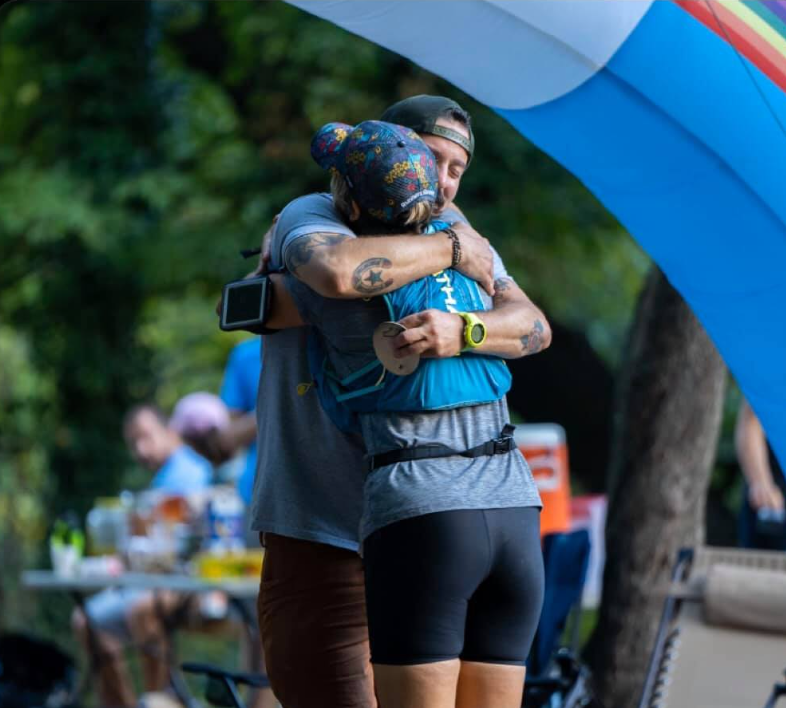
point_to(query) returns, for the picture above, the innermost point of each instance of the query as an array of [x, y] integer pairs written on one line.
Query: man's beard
[[439, 202]]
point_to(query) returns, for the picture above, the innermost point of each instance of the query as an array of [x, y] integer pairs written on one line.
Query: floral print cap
[[387, 167]]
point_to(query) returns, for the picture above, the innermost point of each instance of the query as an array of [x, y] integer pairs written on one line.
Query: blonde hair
[[419, 215], [416, 218]]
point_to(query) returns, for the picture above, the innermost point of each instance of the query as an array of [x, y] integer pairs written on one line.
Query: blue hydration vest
[[437, 384]]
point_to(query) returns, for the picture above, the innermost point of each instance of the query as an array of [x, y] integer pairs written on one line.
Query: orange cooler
[[545, 449]]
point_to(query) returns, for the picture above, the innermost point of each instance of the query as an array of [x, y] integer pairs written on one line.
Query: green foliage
[[22, 454], [73, 123], [168, 329]]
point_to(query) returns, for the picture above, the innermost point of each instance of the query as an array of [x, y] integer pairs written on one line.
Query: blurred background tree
[[142, 144]]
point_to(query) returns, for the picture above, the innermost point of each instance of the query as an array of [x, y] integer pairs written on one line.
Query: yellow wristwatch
[[474, 330]]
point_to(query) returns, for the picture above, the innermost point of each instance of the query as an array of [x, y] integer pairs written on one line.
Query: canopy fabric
[[672, 113], [505, 53]]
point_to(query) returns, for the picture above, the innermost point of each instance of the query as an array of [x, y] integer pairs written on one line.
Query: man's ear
[[354, 213]]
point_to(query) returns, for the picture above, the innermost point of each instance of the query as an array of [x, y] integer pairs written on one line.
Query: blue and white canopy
[[672, 113]]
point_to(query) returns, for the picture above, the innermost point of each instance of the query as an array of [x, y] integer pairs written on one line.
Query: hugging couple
[[417, 466]]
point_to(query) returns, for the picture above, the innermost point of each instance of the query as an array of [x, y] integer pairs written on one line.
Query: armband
[[246, 305]]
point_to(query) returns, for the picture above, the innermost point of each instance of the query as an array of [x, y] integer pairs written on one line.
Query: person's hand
[[262, 264], [431, 333], [212, 445], [765, 495], [477, 261]]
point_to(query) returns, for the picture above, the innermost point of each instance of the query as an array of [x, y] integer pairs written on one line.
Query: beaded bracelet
[[453, 236]]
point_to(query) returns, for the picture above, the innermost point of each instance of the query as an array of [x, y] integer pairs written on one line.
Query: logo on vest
[[447, 288]]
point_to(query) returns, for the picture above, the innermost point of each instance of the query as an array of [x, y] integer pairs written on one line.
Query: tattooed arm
[[515, 323], [515, 328], [339, 266]]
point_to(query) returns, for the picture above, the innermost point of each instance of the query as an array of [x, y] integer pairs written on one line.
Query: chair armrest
[[253, 680]]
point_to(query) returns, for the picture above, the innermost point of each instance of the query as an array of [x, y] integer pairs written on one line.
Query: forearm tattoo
[[533, 342], [301, 251], [368, 278], [501, 285]]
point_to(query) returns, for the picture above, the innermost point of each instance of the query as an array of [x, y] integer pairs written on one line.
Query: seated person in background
[[761, 517], [123, 616], [157, 445]]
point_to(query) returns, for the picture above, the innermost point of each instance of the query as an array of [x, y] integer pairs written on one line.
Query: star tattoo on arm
[[300, 252], [369, 276]]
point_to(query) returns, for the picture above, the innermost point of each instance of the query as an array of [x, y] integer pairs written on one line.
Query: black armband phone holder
[[246, 305]]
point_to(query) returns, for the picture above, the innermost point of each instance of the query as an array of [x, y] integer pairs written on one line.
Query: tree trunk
[[667, 421]]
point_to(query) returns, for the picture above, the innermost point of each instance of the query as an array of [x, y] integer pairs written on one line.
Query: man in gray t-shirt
[[308, 490]]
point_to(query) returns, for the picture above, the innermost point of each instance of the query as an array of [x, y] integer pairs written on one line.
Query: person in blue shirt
[[239, 392], [122, 616]]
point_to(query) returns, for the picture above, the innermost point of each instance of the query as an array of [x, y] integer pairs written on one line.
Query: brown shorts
[[312, 618]]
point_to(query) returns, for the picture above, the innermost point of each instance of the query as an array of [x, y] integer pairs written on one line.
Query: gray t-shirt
[[415, 488], [309, 478]]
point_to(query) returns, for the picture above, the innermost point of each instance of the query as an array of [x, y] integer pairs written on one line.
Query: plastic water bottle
[[225, 520]]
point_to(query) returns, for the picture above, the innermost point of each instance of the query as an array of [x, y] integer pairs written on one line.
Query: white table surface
[[242, 589]]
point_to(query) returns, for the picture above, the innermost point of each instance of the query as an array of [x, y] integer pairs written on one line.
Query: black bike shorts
[[462, 584]]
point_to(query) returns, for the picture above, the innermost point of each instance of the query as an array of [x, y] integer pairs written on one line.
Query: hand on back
[[431, 333]]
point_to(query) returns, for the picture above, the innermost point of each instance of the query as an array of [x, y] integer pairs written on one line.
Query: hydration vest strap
[[360, 372], [498, 446], [360, 392], [376, 363], [389, 303]]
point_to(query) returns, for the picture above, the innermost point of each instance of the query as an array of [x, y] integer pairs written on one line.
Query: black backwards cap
[[420, 113]]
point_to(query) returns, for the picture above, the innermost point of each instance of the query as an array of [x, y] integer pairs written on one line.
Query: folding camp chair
[[565, 559], [717, 644], [221, 687], [555, 677]]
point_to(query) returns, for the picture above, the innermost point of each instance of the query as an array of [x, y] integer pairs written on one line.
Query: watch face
[[476, 333]]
